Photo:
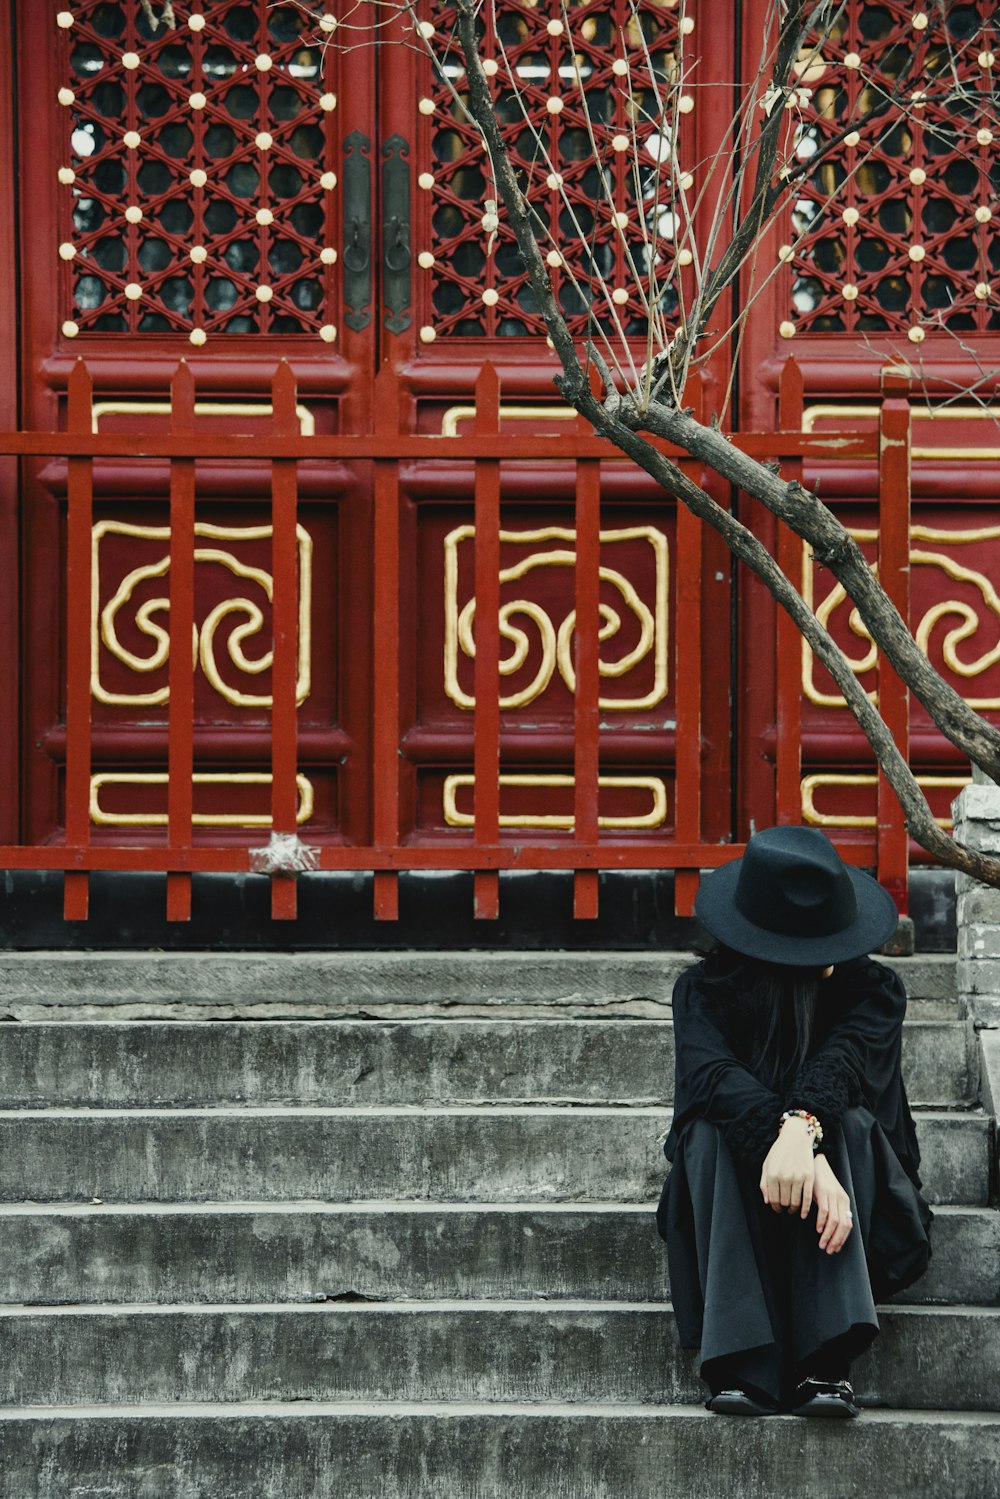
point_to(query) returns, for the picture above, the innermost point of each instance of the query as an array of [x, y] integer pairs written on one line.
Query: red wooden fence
[[589, 849]]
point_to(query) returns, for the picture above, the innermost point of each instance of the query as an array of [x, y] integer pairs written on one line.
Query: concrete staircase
[[407, 1249]]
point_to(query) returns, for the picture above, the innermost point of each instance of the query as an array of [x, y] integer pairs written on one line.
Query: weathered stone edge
[[321, 981], [589, 1451]]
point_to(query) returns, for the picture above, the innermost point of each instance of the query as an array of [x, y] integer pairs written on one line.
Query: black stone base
[[435, 911]]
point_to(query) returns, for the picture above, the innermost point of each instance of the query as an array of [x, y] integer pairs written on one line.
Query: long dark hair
[[777, 1011]]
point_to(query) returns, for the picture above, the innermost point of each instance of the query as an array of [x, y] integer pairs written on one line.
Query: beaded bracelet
[[815, 1128]]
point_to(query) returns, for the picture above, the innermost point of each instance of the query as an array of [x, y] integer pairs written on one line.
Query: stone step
[[376, 1062], [927, 1358], [229, 984], [295, 1252], [556, 1451], [492, 1154]]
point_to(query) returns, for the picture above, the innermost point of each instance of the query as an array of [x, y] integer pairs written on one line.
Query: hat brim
[[875, 923]]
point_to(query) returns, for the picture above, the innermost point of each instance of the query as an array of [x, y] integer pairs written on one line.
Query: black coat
[[854, 1059]]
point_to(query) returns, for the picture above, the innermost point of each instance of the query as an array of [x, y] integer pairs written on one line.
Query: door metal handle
[[356, 256], [396, 255], [397, 246], [357, 251]]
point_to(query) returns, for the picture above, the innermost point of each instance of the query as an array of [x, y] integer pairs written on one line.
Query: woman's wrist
[[795, 1118]]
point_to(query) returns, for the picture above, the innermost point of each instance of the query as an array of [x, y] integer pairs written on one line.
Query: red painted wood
[[10, 582], [352, 74], [788, 717], [401, 64], [456, 305], [41, 220], [550, 746], [689, 671], [78, 605], [386, 649], [488, 858], [285, 611], [353, 447], [584, 852], [228, 366], [718, 741], [707, 703], [378, 785], [486, 755], [585, 704], [180, 792], [894, 575], [233, 859]]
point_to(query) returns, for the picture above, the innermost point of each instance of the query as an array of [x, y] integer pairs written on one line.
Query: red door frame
[[10, 546]]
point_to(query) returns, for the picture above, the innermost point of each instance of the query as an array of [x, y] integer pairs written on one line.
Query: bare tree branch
[[620, 419], [744, 545], [837, 550]]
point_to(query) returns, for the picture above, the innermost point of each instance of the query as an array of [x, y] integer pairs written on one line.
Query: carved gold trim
[[556, 644], [654, 818], [870, 412], [102, 622], [812, 783], [307, 422], [968, 619], [199, 819], [456, 414]]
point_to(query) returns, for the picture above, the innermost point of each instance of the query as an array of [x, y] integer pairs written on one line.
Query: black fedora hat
[[790, 899]]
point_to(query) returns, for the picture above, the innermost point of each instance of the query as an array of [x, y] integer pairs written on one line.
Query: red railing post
[[585, 852], [385, 649], [180, 750], [80, 629], [486, 730], [688, 671], [285, 615], [788, 643], [586, 710], [894, 500]]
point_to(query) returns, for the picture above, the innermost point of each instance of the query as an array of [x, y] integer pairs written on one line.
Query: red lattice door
[[467, 299], [888, 256], [246, 187], [182, 197]]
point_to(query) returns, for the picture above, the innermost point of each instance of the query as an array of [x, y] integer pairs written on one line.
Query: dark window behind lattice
[[893, 230], [199, 171], [602, 50]]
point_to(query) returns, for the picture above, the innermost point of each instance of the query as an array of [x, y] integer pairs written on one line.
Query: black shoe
[[821, 1397], [737, 1402]]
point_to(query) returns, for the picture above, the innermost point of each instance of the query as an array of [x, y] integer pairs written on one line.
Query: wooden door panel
[[10, 528], [229, 193], [188, 187], [470, 301], [879, 269]]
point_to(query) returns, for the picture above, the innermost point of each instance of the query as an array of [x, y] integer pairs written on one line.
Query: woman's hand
[[786, 1182], [833, 1208]]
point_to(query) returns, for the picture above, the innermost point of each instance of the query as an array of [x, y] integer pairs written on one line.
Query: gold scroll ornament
[[919, 413], [968, 619], [104, 621], [199, 819], [654, 818], [555, 639], [814, 783], [99, 409]]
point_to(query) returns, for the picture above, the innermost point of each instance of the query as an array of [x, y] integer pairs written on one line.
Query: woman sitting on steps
[[793, 1203]]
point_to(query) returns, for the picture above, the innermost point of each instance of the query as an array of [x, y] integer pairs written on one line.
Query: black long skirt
[[752, 1287]]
